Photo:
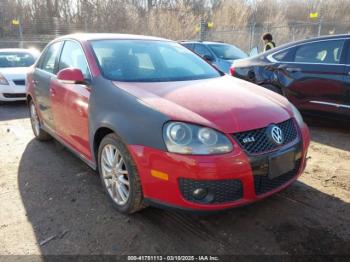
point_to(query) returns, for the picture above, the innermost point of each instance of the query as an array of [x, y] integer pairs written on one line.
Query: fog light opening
[[200, 193]]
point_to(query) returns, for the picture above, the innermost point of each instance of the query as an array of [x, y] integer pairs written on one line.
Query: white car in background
[[14, 64]]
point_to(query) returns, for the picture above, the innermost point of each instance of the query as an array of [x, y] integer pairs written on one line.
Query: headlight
[[3, 80], [185, 138], [297, 116], [179, 134]]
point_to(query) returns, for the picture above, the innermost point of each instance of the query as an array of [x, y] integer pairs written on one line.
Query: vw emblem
[[276, 134]]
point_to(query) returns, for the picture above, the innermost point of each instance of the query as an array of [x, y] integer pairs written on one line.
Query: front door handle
[[35, 82], [52, 91]]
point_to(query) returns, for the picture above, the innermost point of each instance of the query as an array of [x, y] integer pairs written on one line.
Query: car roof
[[100, 36], [284, 46], [203, 42]]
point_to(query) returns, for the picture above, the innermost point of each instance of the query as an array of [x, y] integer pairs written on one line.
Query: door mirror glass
[[71, 76], [254, 51]]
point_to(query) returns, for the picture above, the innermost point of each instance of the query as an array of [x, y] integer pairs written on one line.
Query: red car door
[[70, 102]]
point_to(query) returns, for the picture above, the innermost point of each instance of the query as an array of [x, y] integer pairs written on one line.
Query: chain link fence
[[36, 35], [245, 38]]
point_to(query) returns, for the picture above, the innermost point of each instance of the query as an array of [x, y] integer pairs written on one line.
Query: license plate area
[[281, 163]]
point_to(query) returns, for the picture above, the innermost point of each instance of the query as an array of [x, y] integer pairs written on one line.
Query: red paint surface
[[70, 103], [70, 74]]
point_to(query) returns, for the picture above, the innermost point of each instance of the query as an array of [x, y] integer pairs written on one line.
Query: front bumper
[[12, 93], [236, 178]]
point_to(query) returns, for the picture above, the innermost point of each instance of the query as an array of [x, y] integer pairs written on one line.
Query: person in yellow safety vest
[[268, 43]]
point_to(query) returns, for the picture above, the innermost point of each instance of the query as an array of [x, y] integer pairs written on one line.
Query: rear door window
[[202, 50], [227, 52], [323, 52], [188, 45], [285, 55]]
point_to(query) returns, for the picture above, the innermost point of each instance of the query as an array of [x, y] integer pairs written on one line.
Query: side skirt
[[90, 163]]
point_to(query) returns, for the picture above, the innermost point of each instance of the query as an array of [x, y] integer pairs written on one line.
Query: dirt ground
[[52, 203]]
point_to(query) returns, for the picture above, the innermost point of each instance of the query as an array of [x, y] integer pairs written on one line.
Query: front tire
[[119, 175], [39, 133]]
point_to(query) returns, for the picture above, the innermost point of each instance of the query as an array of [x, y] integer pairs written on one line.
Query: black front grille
[[19, 82], [20, 95], [263, 184], [262, 142], [219, 191]]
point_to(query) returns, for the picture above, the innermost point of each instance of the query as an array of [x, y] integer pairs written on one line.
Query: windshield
[[149, 61], [227, 52], [16, 59]]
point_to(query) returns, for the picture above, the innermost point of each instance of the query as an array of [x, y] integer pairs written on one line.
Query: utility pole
[[320, 20], [202, 29], [319, 27], [20, 32], [84, 10], [252, 35], [18, 22], [252, 27]]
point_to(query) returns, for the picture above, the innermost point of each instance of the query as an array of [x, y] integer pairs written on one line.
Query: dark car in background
[[313, 74], [219, 54]]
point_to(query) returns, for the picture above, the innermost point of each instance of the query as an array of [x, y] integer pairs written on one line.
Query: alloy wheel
[[34, 120], [115, 174]]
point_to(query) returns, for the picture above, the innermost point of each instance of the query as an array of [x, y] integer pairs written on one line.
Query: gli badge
[[249, 140]]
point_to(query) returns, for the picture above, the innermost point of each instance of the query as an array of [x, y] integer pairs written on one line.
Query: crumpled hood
[[226, 103]]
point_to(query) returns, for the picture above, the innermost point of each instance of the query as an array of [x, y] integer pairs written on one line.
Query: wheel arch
[[100, 133], [112, 109]]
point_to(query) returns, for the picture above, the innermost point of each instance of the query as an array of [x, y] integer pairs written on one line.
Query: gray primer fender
[[130, 118]]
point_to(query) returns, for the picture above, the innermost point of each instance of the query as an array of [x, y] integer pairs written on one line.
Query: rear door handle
[[293, 69], [35, 82]]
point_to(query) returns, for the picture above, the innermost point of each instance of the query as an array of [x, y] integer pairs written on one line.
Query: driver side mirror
[[71, 76]]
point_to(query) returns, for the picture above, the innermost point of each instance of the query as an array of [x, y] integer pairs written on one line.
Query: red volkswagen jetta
[[162, 126]]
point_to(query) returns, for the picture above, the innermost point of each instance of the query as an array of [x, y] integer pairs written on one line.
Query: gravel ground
[[52, 203]]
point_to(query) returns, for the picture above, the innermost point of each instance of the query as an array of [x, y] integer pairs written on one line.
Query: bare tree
[[235, 21]]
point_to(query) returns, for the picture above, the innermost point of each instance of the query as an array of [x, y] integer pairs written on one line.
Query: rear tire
[[119, 175], [273, 88], [39, 133]]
